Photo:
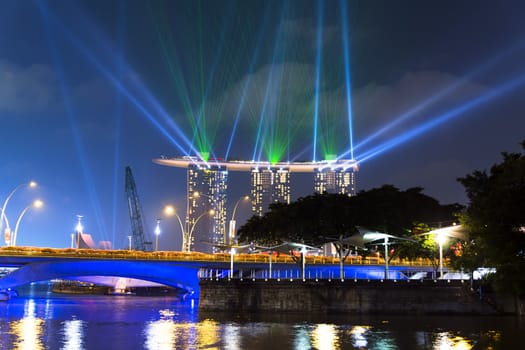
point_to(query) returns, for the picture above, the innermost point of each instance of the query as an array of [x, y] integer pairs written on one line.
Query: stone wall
[[336, 296]]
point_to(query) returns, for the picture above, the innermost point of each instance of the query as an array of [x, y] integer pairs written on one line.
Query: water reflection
[[324, 337], [160, 334], [358, 336], [166, 333], [28, 330], [73, 335], [445, 341], [162, 323], [232, 337], [208, 335], [302, 338]]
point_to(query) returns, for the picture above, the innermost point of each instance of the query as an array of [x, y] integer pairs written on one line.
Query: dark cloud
[[305, 30], [416, 98], [25, 89]]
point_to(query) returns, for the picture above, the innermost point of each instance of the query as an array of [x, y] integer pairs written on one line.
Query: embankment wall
[[348, 296]]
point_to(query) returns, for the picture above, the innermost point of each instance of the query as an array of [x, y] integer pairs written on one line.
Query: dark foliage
[[495, 218], [320, 218]]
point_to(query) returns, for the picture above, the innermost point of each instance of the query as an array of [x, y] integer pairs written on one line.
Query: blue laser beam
[[201, 113], [118, 116], [258, 147], [346, 49], [79, 147], [473, 103], [145, 94], [248, 80], [318, 61], [440, 94]]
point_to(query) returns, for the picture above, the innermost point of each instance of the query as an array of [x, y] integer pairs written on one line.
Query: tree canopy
[[495, 218], [320, 218]]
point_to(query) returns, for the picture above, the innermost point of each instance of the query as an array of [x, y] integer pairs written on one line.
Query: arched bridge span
[[183, 276]]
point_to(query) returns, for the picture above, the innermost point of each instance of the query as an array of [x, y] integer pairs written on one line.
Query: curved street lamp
[[36, 204], [3, 216], [169, 210], [232, 221], [217, 207], [189, 234]]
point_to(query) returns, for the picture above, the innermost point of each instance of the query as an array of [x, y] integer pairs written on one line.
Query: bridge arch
[[170, 274]]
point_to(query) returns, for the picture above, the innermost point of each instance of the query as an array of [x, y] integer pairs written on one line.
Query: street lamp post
[[186, 234], [36, 204], [3, 216], [386, 257], [233, 250], [79, 229], [169, 210], [217, 207], [232, 253], [189, 234], [7, 233], [157, 233], [371, 236], [440, 239], [303, 262], [441, 235], [231, 229], [270, 264]]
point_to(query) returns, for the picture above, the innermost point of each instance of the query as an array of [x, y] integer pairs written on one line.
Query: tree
[[495, 218], [309, 220], [320, 218]]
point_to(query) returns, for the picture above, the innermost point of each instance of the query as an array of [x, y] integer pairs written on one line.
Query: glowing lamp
[[169, 210]]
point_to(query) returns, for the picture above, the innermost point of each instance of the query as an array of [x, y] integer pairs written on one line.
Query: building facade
[[206, 212], [340, 180], [269, 183]]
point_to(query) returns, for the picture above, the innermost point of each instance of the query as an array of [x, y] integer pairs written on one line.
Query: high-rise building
[[324, 181], [282, 186], [345, 181], [207, 187], [269, 185], [336, 178]]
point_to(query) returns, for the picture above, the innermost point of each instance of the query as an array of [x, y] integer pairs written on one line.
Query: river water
[[52, 321]]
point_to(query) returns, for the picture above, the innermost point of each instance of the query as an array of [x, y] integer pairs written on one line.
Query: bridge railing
[[197, 256]]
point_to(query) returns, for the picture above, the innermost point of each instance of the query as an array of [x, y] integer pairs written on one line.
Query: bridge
[[182, 270]]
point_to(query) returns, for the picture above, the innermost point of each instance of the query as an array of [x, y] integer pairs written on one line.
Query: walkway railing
[[199, 257]]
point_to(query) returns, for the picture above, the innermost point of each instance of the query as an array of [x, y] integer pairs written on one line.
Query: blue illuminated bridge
[[182, 270]]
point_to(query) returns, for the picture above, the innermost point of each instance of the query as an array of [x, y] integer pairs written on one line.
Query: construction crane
[[135, 214]]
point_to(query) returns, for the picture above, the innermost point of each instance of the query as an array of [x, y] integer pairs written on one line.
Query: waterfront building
[[269, 183], [206, 190], [333, 179]]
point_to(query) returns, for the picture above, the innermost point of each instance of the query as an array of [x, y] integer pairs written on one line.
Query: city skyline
[[90, 87], [207, 186]]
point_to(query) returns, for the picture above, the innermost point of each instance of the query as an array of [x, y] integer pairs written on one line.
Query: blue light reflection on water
[[130, 322]]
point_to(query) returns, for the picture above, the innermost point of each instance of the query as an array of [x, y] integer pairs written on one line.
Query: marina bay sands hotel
[[269, 183]]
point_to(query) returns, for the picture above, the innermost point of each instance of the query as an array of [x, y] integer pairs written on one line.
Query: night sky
[[90, 87]]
